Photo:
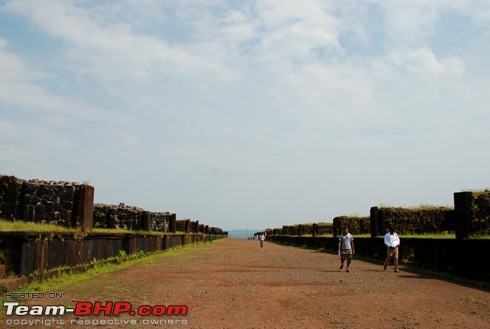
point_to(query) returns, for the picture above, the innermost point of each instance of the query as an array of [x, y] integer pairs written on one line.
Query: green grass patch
[[21, 226], [29, 226], [479, 236], [442, 235]]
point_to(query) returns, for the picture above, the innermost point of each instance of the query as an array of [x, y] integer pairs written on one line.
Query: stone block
[[84, 207]]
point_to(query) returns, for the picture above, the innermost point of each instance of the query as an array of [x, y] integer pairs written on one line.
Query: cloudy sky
[[249, 114]]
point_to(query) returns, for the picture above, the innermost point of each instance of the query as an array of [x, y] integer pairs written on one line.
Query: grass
[[121, 230], [21, 226], [421, 206], [444, 235], [101, 267], [29, 226]]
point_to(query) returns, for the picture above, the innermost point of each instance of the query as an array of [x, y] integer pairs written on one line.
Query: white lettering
[[55, 310], [22, 310], [10, 307], [36, 310]]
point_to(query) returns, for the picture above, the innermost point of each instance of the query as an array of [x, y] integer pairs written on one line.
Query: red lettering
[[83, 308], [121, 307], [177, 310], [116, 308], [159, 310], [107, 309], [144, 310]]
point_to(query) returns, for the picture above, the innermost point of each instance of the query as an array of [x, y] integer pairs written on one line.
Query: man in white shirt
[[262, 238], [392, 241], [346, 248]]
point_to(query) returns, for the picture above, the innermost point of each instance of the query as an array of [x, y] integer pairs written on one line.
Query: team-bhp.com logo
[[96, 308], [81, 309]]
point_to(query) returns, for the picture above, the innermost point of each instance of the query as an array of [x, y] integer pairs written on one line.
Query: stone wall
[[405, 221], [355, 224], [470, 216], [39, 201], [71, 205], [417, 220], [315, 229], [480, 223], [131, 218], [10, 197]]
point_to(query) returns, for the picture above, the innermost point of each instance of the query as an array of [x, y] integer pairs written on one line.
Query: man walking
[[392, 241], [262, 238], [346, 248]]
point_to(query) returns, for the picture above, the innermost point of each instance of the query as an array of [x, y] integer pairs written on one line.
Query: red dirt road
[[235, 284]]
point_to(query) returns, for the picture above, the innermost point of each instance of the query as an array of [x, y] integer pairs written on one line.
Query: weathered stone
[[84, 208], [39, 212]]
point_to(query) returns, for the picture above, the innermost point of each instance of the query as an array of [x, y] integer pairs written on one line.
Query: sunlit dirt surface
[[234, 283]]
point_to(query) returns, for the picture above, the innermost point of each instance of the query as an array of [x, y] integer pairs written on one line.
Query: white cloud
[[111, 51], [290, 32], [18, 83], [423, 61]]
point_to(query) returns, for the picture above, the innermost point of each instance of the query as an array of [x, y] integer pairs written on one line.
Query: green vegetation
[[118, 230], [306, 224], [441, 235], [20, 226], [479, 236], [422, 206], [6, 225]]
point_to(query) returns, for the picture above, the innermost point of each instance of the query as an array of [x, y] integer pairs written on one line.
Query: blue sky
[[249, 113]]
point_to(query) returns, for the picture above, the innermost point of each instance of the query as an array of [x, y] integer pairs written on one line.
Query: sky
[[246, 114]]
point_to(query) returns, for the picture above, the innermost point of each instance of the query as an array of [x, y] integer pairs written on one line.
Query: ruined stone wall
[[159, 221], [355, 224], [481, 213], [314, 229], [470, 216], [181, 225], [50, 202], [10, 197], [131, 218], [39, 201], [117, 216], [405, 220], [68, 204], [417, 220], [64, 203]]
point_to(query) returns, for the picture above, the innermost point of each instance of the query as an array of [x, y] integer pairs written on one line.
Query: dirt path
[[236, 284]]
